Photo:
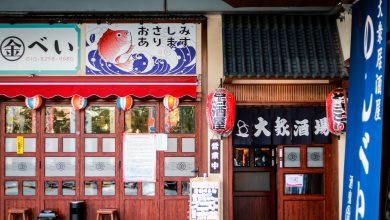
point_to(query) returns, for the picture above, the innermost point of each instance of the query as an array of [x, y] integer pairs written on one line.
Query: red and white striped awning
[[101, 86]]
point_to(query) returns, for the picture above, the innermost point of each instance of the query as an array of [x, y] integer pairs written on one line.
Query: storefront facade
[[280, 163], [71, 155], [64, 151]]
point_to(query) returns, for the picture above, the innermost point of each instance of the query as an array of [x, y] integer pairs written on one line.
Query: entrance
[[254, 188], [282, 164], [304, 185], [74, 155]]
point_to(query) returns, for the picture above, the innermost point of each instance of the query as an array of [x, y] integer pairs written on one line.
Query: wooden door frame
[[139, 196], [43, 154], [228, 169], [3, 154], [99, 153], [326, 170], [161, 155]]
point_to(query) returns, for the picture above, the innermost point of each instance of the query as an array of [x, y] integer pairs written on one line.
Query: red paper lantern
[[124, 103], [221, 111], [336, 111], [170, 102], [34, 102], [78, 102]]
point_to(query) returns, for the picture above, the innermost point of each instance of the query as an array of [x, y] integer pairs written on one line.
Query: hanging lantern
[[79, 102], [170, 102], [33, 102], [124, 103], [336, 112], [221, 111]]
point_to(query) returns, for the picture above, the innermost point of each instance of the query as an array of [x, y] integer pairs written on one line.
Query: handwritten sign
[[19, 145], [204, 198], [139, 157]]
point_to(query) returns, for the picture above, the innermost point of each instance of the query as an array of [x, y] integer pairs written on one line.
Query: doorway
[[254, 188], [283, 165]]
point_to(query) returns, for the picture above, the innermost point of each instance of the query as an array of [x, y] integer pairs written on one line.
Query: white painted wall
[[214, 74], [341, 147], [344, 25]]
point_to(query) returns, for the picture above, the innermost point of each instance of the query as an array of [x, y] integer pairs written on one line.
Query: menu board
[[139, 157], [204, 198]]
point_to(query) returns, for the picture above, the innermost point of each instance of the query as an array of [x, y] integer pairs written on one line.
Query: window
[[19, 120], [60, 120], [100, 120], [180, 121]]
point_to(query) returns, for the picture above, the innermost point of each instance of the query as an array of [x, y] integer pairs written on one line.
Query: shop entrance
[[282, 164], [254, 188], [72, 155]]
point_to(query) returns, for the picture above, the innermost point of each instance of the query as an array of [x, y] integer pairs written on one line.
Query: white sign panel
[[20, 166], [60, 166], [139, 158], [294, 180], [204, 198], [39, 48], [162, 142], [134, 49]]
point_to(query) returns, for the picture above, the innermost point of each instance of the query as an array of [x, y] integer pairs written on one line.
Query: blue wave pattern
[[140, 62]]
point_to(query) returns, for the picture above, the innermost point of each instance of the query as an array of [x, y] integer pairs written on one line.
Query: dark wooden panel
[[252, 208], [60, 206], [304, 210], [92, 205], [141, 209], [31, 204], [281, 93], [171, 208]]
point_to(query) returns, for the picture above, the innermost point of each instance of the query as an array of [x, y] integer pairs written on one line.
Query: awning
[[101, 86]]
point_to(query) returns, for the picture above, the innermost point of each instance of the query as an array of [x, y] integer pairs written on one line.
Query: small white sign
[[294, 180], [162, 142], [204, 198]]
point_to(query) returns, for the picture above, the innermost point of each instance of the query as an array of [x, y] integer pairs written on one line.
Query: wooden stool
[[101, 212], [12, 213]]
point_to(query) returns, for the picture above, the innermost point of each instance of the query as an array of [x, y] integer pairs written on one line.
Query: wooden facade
[[158, 205], [275, 204]]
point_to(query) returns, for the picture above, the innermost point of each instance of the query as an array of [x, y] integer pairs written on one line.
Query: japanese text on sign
[[204, 198], [39, 48], [134, 49]]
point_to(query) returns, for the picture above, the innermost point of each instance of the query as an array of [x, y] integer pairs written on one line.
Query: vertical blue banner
[[362, 169]]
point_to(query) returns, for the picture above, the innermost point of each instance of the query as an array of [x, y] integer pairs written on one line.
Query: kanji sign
[[215, 155], [19, 145], [134, 49], [205, 198], [362, 166], [39, 48], [271, 126]]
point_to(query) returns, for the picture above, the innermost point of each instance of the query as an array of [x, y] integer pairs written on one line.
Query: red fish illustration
[[114, 47]]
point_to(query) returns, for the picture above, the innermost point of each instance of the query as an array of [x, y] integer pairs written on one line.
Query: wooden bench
[[13, 213], [101, 212]]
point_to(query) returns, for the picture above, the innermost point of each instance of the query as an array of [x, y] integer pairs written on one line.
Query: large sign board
[[39, 49], [205, 198], [362, 169], [139, 157], [141, 49]]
